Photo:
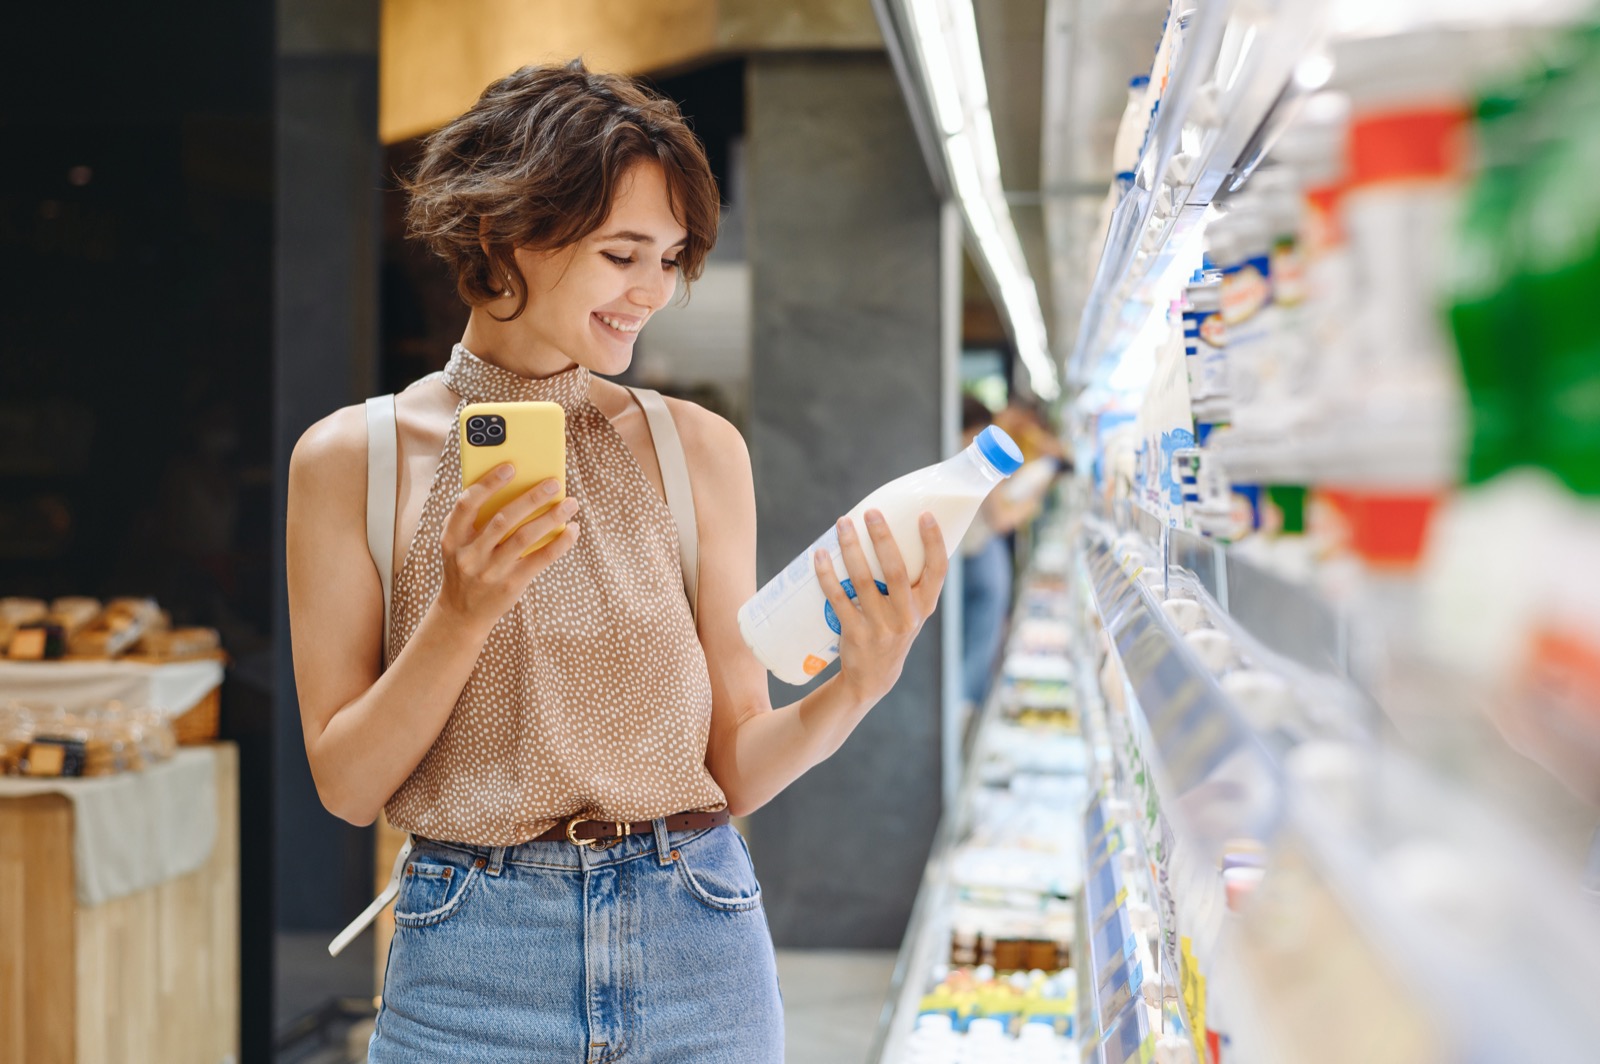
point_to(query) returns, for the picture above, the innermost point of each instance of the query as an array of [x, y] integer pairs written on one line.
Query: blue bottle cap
[[1138, 81], [1000, 450]]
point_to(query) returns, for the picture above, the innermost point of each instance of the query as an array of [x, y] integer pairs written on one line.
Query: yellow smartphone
[[532, 437]]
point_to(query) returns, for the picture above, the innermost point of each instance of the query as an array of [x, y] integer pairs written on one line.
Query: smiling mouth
[[618, 326]]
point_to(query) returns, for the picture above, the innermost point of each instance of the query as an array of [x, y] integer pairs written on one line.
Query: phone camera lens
[[475, 424], [496, 430], [477, 439]]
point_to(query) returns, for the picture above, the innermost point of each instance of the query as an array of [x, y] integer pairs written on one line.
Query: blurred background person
[[986, 563]]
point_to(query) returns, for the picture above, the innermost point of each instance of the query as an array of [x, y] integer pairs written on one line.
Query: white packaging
[[1264, 698], [1167, 425], [1131, 130], [790, 625], [1185, 613], [1249, 317], [1213, 648]]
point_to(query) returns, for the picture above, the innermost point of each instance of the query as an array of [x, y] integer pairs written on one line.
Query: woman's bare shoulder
[[711, 443], [333, 451]]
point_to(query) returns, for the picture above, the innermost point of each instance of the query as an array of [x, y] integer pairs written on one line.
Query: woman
[[986, 570], [559, 734]]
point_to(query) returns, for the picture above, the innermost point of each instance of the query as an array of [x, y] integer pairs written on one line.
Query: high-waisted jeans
[[654, 951]]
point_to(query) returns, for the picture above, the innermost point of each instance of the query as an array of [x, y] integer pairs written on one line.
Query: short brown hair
[[535, 163]]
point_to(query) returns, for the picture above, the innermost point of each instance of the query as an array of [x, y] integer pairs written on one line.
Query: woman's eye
[[618, 259], [670, 264]]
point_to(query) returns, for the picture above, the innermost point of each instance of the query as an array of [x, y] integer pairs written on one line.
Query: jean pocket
[[433, 887], [717, 871]]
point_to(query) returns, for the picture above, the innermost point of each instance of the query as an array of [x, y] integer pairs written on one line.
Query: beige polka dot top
[[591, 696]]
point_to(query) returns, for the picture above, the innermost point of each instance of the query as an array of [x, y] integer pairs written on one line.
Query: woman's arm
[[364, 731], [756, 751]]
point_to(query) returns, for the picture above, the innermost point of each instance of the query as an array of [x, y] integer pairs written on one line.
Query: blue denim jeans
[[985, 606], [654, 951]]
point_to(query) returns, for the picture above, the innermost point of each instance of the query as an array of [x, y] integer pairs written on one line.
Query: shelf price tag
[[1120, 986], [1094, 819], [1130, 1041], [1109, 913], [1102, 888], [1116, 939], [1193, 986]]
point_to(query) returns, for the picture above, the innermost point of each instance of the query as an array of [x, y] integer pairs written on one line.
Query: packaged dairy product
[[1131, 130], [790, 625], [1248, 312], [1206, 348]]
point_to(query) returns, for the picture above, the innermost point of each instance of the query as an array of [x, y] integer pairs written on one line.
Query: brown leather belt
[[581, 831]]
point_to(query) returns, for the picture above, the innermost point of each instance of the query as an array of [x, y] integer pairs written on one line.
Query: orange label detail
[[814, 665]]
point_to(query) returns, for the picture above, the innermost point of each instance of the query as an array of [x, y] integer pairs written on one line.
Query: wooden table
[[148, 978]]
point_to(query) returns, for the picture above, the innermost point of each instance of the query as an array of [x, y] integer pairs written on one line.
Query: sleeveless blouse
[[591, 696]]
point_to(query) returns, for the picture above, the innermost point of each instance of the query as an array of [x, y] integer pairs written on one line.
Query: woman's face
[[587, 302]]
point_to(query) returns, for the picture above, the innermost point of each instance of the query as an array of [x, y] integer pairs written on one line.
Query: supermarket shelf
[[1289, 618], [1207, 137], [1403, 456], [928, 933], [927, 938], [1492, 959], [1455, 910], [1016, 756], [1116, 1024], [925, 944], [1215, 780]]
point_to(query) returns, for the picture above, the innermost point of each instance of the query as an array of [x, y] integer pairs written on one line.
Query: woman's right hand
[[484, 577]]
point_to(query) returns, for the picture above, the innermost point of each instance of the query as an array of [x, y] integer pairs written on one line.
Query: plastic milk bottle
[[791, 626]]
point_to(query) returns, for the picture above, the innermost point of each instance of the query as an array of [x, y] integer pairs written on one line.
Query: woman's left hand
[[876, 630]]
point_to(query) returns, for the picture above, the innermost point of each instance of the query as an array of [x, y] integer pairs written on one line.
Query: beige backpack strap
[[675, 479], [383, 468]]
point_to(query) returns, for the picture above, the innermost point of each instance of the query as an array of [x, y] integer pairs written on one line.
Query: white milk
[[790, 625]]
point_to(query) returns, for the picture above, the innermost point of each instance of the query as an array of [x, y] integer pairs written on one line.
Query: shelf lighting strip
[[951, 67]]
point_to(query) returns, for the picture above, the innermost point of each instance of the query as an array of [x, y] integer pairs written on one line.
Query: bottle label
[[1288, 272], [1247, 310], [1246, 289], [1203, 343], [828, 613], [795, 576]]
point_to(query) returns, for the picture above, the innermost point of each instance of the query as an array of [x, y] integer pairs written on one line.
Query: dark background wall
[[136, 228]]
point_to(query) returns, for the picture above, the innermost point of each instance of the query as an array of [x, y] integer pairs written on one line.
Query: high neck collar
[[478, 381]]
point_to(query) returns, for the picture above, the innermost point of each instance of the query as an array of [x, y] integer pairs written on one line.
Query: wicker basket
[[202, 722]]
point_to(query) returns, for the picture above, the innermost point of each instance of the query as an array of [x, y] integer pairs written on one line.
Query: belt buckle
[[623, 830]]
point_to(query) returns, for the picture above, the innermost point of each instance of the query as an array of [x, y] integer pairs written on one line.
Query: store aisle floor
[[832, 1000]]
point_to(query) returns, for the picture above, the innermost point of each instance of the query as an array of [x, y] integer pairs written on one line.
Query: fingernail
[[874, 517], [550, 488], [844, 526], [569, 507], [504, 471], [819, 556], [928, 521]]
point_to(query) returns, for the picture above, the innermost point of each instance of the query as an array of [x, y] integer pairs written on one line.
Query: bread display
[[175, 644], [74, 612], [99, 742], [115, 629]]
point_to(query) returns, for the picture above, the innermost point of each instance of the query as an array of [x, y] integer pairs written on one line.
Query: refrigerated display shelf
[[1010, 752], [1205, 139], [1449, 907]]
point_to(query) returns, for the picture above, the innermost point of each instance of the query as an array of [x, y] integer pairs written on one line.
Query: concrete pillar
[[328, 171], [849, 263]]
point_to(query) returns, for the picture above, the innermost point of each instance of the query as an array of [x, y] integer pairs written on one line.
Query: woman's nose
[[656, 292]]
